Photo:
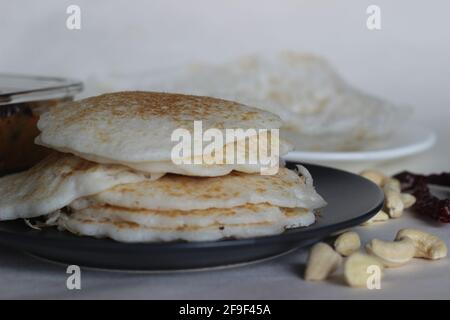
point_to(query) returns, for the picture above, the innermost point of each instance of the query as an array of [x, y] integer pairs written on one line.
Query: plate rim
[[368, 155]]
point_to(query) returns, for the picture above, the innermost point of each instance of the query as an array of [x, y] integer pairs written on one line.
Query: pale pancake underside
[[198, 170], [124, 225], [55, 182]]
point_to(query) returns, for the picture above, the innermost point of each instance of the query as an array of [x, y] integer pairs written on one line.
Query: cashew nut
[[375, 176], [347, 243], [408, 200], [379, 217], [393, 202], [322, 261], [426, 245], [357, 269], [392, 184], [392, 254]]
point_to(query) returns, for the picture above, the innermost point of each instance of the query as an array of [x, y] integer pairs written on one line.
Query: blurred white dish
[[327, 120], [408, 141], [303, 89]]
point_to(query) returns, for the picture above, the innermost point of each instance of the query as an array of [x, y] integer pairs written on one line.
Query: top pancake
[[136, 127]]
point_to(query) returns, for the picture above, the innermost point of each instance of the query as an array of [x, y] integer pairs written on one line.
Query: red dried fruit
[[426, 203]]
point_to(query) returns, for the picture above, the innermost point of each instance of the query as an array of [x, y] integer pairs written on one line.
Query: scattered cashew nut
[[375, 176], [396, 201], [408, 200], [426, 245], [347, 243], [356, 269], [392, 254], [322, 261], [393, 202], [381, 216]]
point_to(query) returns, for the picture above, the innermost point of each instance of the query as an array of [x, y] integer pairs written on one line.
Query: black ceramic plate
[[351, 200]]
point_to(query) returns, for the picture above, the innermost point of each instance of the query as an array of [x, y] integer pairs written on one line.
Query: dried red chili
[[426, 203]]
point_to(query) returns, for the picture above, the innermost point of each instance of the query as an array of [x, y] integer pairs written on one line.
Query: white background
[[407, 62]]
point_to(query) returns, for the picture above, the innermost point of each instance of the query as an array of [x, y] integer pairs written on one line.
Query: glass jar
[[22, 100]]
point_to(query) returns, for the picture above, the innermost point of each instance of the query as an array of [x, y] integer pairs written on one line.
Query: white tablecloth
[[23, 276]]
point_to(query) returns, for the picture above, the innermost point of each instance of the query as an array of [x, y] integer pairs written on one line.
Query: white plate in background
[[410, 140]]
